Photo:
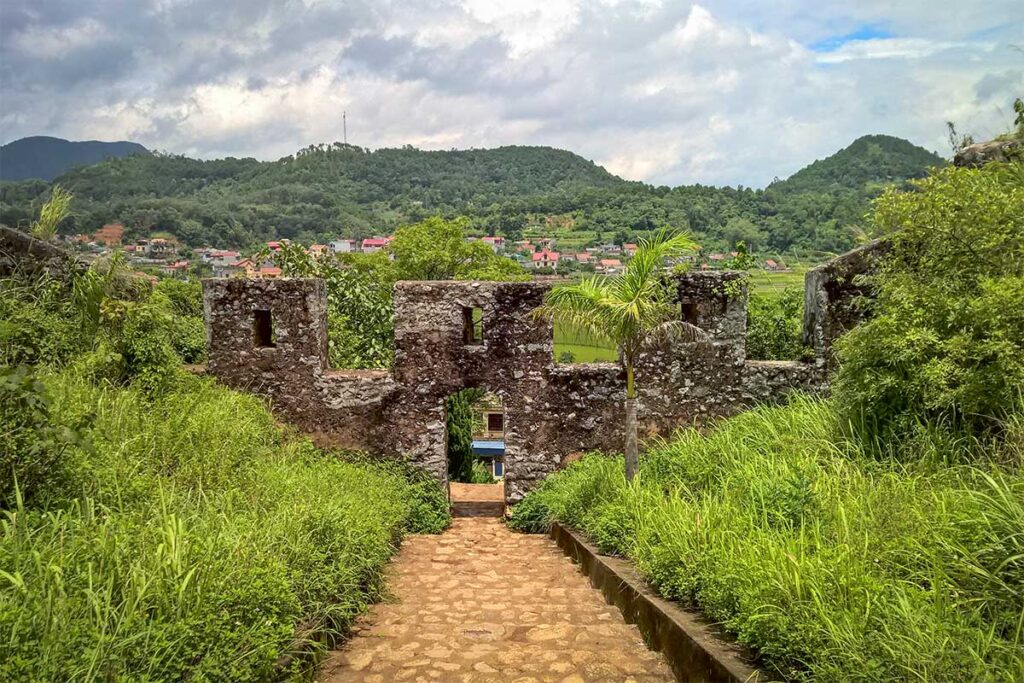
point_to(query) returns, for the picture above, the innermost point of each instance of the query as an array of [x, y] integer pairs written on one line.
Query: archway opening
[[476, 428]]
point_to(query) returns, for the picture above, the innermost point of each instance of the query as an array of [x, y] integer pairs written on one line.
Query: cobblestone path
[[481, 603]]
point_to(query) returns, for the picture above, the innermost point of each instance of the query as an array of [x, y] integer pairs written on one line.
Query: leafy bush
[[183, 299], [774, 326], [38, 324], [832, 565], [946, 343], [206, 544], [481, 474], [31, 444]]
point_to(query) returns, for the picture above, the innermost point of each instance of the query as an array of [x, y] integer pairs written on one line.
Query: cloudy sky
[[671, 92]]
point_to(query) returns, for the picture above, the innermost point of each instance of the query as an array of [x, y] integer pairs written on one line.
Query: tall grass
[[833, 563], [195, 540]]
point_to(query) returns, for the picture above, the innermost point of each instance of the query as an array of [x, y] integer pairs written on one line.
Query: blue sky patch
[[863, 33]]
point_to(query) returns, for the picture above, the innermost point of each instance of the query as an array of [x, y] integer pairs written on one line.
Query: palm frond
[[626, 308], [678, 331]]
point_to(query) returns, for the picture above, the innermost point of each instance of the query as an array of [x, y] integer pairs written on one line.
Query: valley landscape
[[481, 408]]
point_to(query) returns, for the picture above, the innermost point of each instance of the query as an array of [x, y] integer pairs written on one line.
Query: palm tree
[[629, 310]]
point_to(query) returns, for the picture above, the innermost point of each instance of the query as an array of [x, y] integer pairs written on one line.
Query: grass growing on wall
[[833, 563], [192, 539]]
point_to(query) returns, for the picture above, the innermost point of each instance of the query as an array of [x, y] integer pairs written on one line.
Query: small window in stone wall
[[689, 312], [263, 329], [473, 325]]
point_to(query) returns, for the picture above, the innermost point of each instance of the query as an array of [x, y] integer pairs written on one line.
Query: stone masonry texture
[[553, 411]]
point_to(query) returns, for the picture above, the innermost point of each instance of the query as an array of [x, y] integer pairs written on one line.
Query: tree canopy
[[341, 190]]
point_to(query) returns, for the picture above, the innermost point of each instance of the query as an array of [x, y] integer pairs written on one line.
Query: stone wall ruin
[[270, 337]]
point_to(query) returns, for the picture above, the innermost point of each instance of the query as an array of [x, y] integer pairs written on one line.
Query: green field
[[763, 282], [583, 348]]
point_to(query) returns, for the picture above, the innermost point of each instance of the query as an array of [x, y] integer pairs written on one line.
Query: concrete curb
[[695, 649]]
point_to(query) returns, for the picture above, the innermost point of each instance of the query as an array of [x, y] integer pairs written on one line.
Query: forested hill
[[867, 165], [46, 158], [341, 190]]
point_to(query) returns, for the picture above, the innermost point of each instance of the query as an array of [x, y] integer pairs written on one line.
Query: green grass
[[767, 283], [194, 540], [583, 347], [834, 565]]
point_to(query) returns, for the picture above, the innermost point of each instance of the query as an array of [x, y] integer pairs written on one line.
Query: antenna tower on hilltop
[[344, 127]]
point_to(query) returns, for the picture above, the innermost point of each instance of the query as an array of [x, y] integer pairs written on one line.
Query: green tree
[[629, 311], [459, 425], [946, 342], [436, 249]]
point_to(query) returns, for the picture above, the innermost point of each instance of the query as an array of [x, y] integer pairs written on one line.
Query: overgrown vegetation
[[877, 535], [775, 324], [156, 526], [834, 564], [946, 343]]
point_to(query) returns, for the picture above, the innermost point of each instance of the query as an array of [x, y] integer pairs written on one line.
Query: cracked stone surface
[[481, 603]]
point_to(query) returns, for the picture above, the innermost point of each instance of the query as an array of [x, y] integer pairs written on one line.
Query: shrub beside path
[[481, 603]]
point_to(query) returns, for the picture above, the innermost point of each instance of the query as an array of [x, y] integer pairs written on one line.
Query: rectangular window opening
[[473, 324], [263, 329], [689, 312], [495, 422]]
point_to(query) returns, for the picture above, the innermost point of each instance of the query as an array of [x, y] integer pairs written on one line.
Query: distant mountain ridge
[[43, 157], [337, 190]]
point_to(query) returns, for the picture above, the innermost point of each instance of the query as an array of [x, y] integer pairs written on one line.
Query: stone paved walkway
[[480, 603]]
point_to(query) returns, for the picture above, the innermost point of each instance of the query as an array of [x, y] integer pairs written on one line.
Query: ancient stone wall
[[270, 337], [19, 250], [834, 297]]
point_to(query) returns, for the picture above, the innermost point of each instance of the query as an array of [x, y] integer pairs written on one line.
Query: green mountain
[[46, 158], [340, 190], [866, 166]]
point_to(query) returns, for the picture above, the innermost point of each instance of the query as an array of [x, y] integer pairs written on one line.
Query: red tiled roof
[[376, 241], [611, 262], [546, 255]]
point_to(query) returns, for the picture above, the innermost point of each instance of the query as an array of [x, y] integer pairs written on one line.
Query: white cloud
[[669, 92], [893, 48]]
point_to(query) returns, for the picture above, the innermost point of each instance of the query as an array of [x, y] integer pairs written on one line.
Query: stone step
[[478, 508]]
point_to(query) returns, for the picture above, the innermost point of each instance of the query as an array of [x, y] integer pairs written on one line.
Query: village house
[[318, 250], [341, 246], [629, 249], [489, 434], [609, 266], [496, 243], [545, 259], [774, 266], [584, 257], [373, 244], [177, 268], [160, 248]]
